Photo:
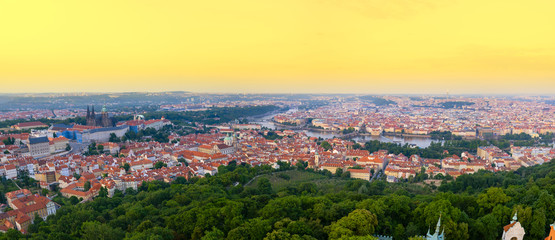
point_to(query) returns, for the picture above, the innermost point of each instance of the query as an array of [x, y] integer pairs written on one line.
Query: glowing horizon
[[289, 46]]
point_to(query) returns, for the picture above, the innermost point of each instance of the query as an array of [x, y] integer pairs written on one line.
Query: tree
[[326, 145], [159, 165], [538, 224], [13, 234], [73, 200], [264, 186], [114, 138], [95, 230], [214, 234], [87, 186], [103, 192], [68, 147], [359, 222], [338, 172], [494, 196], [34, 227], [301, 165], [9, 141], [416, 238], [346, 175], [126, 166], [485, 224]]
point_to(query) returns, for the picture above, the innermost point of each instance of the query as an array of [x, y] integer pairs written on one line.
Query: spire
[[104, 108], [88, 112], [438, 224], [515, 218]]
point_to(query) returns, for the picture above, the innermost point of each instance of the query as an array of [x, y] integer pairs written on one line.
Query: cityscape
[[277, 120], [76, 155]]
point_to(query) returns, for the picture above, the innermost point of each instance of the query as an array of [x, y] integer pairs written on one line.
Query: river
[[422, 142]]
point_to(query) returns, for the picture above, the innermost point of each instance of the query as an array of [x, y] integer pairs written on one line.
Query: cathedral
[[102, 120]]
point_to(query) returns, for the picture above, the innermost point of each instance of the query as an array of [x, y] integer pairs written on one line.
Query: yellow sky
[[359, 46]]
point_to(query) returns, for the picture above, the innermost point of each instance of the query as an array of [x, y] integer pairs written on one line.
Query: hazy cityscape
[[72, 154], [277, 120]]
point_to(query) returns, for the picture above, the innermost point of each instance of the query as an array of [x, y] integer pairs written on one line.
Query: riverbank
[[418, 140], [406, 135]]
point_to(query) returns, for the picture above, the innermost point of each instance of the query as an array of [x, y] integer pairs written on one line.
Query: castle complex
[[103, 120]]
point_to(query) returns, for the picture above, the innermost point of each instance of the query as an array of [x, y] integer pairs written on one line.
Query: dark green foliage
[[87, 186], [9, 141], [126, 166], [271, 135], [114, 138], [159, 165], [326, 145], [447, 135], [435, 150], [472, 207]]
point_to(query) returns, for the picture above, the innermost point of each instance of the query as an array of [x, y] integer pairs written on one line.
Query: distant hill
[[378, 101]]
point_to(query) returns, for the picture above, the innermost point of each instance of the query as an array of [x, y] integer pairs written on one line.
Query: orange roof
[[506, 228], [353, 170]]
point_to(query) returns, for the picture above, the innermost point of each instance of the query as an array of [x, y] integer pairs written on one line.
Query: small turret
[[515, 218]]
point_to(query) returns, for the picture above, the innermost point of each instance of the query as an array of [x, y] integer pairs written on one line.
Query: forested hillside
[[295, 203]]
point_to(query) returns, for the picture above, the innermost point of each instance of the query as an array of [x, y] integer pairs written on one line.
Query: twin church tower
[[104, 120]]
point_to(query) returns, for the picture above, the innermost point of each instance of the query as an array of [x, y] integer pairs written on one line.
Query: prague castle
[[103, 120]]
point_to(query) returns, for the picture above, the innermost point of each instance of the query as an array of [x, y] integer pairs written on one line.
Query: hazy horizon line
[[285, 93]]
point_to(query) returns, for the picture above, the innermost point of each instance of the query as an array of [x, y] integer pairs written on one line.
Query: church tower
[[228, 140], [105, 119], [513, 231], [317, 159], [91, 118]]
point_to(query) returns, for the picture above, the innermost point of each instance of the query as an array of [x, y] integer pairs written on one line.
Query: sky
[[285, 46]]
